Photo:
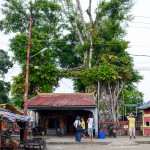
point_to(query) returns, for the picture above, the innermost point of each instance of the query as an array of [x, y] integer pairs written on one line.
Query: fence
[[121, 127]]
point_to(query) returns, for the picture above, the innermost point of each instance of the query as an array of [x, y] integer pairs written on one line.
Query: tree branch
[[90, 33], [82, 18]]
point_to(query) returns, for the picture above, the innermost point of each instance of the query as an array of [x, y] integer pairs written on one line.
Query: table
[[5, 146], [35, 143]]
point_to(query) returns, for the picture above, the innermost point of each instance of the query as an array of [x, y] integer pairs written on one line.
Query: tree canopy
[[91, 52], [5, 65]]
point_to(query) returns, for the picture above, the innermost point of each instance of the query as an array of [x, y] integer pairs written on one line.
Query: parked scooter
[[7, 133], [37, 130], [111, 130], [58, 131]]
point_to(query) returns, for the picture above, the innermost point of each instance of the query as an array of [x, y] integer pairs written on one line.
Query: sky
[[138, 36]]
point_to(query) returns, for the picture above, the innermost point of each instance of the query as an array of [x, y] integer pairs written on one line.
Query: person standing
[[3, 127], [90, 127], [83, 126], [78, 132], [131, 125], [21, 126]]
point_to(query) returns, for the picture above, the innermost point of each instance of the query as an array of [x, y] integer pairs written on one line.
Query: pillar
[[34, 119]]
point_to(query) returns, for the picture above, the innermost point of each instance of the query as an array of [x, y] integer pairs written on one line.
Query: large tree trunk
[[110, 95]]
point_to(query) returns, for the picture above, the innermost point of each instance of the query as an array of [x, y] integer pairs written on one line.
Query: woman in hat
[[78, 132]]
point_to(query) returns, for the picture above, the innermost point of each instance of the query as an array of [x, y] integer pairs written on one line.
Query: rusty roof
[[62, 100]]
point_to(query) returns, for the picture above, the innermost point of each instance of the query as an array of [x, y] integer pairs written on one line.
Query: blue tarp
[[14, 117], [145, 105]]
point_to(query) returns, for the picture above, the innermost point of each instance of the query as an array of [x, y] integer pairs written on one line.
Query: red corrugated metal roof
[[61, 99]]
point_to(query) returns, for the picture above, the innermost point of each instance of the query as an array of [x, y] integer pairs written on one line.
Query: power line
[[140, 22], [140, 55], [143, 69], [142, 16], [139, 27], [139, 45], [66, 84]]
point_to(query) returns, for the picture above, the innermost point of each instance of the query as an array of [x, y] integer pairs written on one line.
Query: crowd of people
[[81, 128]]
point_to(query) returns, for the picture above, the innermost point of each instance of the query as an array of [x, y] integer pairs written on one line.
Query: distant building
[[146, 118]]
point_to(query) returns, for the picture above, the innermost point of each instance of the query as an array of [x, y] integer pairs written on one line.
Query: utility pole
[[27, 70]]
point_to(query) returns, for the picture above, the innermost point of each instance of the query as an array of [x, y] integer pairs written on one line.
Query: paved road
[[97, 147], [119, 143]]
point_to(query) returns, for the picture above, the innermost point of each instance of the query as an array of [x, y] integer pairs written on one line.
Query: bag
[[79, 128]]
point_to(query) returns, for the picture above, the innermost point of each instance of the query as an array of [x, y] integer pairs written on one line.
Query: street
[[97, 147], [109, 143], [119, 143]]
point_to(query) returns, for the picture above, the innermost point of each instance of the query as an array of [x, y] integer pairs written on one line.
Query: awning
[[14, 117]]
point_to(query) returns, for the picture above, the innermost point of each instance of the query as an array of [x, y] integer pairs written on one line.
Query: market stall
[[5, 118]]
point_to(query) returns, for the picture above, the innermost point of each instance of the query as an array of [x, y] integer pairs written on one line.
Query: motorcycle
[[7, 133], [111, 130], [58, 131], [37, 130]]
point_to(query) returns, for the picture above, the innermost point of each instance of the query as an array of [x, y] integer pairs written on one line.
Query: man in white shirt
[[90, 127]]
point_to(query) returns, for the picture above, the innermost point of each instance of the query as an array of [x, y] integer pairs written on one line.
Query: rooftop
[[145, 105], [62, 100]]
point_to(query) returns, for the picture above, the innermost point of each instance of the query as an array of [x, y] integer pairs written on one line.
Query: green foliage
[[5, 65], [88, 76], [132, 96], [4, 91], [109, 56], [70, 55], [17, 101], [111, 68], [111, 64], [46, 76], [79, 86], [17, 15], [45, 29], [17, 87], [18, 45]]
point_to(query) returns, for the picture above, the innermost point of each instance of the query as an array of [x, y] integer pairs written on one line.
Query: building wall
[[146, 122], [147, 111]]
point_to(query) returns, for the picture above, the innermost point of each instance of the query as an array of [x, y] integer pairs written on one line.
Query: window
[[147, 123]]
